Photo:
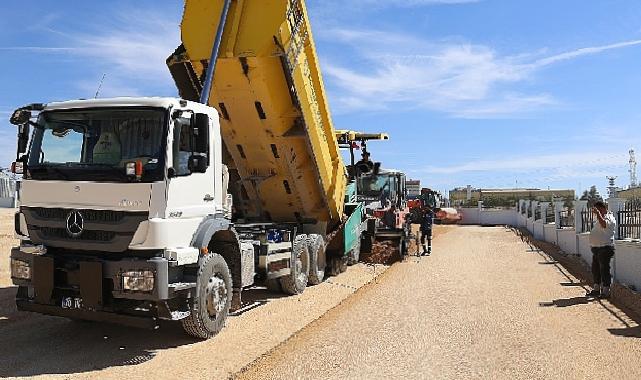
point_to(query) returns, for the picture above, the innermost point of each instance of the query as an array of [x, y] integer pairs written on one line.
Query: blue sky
[[491, 93]]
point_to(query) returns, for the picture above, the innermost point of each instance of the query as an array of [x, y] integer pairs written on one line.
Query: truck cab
[[121, 201]]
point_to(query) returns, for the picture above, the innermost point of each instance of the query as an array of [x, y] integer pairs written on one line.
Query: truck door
[[191, 189]]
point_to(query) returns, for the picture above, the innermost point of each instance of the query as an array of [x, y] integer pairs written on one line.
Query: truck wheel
[[317, 259], [296, 281], [355, 254], [338, 265], [273, 285], [210, 306]]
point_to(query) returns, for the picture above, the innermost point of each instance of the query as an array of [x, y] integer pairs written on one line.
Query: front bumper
[[97, 281], [98, 316]]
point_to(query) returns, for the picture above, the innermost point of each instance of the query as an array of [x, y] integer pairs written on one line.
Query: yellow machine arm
[[269, 91], [345, 137]]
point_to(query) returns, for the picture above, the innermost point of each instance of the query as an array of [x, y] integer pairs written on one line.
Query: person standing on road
[[427, 221], [602, 245]]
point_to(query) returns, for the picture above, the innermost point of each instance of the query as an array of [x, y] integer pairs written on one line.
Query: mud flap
[[43, 279], [91, 284]]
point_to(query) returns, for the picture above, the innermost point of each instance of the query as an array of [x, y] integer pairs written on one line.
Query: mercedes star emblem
[[75, 224]]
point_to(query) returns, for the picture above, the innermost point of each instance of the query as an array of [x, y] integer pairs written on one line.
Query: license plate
[[71, 303]]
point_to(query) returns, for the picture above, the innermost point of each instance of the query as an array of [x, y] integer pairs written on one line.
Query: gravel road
[[33, 345], [483, 306]]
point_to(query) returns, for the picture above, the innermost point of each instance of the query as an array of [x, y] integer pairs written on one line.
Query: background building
[[468, 196], [413, 187]]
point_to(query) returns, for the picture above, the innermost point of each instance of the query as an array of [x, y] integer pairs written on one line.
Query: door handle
[[208, 198]]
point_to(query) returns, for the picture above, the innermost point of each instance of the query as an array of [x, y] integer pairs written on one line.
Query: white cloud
[[137, 45], [410, 3], [131, 51], [461, 79], [566, 164], [582, 52]]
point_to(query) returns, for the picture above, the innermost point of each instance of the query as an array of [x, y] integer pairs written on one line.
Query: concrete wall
[[627, 263], [7, 191], [567, 240], [584, 247], [498, 217], [7, 202], [487, 216], [469, 215], [549, 234], [537, 230]]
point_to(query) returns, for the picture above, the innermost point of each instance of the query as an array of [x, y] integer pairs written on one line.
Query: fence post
[[534, 205], [579, 207], [614, 206], [480, 211], [544, 212], [558, 208]]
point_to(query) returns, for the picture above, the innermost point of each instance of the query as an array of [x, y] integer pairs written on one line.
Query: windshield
[[97, 144], [377, 185]]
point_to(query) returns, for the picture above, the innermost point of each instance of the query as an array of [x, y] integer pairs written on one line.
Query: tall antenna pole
[[100, 86], [633, 169], [612, 188]]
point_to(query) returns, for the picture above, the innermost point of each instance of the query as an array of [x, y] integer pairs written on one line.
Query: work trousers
[[601, 257], [426, 234]]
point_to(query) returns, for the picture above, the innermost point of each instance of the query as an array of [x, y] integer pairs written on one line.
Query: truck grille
[[103, 230], [101, 216], [61, 233]]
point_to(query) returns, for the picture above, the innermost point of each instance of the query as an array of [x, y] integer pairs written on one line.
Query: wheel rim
[[216, 295], [301, 272]]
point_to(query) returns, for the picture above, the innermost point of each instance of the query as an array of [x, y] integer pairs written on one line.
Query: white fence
[[626, 265], [7, 192], [479, 215]]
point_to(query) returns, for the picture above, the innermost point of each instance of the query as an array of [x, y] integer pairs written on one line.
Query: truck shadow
[[34, 344]]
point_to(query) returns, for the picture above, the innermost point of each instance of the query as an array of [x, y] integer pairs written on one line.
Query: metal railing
[[629, 220], [537, 213], [587, 220], [566, 218], [549, 215]]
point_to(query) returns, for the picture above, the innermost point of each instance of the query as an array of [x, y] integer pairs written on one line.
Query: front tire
[[296, 281], [210, 306]]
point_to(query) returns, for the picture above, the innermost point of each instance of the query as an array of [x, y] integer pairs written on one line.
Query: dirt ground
[[483, 306], [6, 242], [32, 345]]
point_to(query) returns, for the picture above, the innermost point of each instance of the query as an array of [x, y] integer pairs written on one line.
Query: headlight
[[138, 280], [20, 269]]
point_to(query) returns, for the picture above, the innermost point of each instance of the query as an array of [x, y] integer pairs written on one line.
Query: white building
[[413, 187]]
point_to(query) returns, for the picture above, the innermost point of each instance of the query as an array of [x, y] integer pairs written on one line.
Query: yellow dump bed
[[275, 120]]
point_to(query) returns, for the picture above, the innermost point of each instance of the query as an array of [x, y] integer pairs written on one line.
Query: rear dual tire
[[317, 259], [296, 281]]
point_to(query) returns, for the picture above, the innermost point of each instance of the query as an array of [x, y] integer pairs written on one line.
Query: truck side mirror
[[23, 137], [20, 117], [200, 131], [198, 163]]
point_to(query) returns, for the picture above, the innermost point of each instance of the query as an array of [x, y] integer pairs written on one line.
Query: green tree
[[592, 196]]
